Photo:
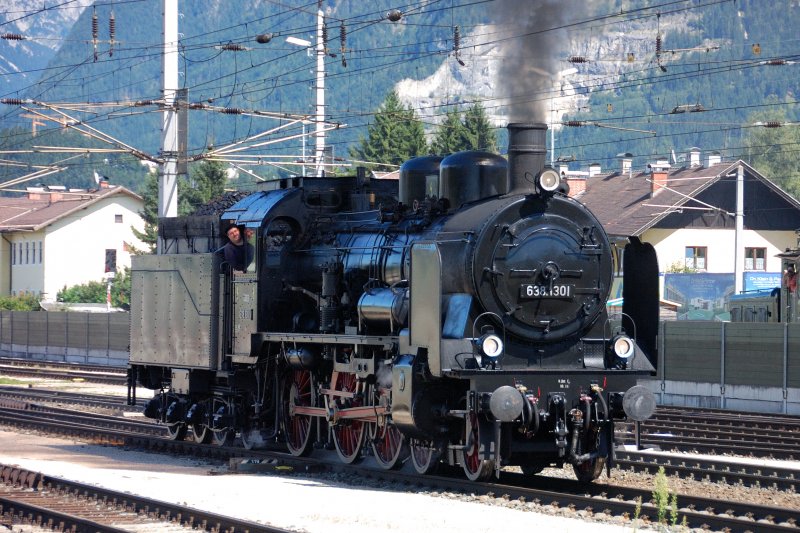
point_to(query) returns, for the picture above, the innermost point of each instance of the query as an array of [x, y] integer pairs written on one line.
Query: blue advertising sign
[[756, 281]]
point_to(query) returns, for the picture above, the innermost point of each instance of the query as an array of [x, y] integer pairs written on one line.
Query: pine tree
[[149, 214], [395, 136], [207, 182], [450, 135], [774, 151], [480, 135]]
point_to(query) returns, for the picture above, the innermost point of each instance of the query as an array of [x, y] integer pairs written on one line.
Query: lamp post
[[738, 267], [319, 115]]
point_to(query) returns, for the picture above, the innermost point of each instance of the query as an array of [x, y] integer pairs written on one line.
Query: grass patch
[[11, 381]]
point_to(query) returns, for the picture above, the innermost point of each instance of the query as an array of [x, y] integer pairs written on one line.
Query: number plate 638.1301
[[528, 290]]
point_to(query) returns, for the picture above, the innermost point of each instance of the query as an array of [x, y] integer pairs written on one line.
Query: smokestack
[[527, 146]]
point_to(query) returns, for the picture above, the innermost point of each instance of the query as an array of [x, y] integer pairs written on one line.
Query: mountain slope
[[44, 26]]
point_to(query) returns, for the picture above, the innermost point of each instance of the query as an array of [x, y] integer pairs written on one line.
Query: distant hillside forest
[[744, 71]]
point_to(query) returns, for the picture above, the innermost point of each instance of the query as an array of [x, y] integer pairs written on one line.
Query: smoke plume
[[532, 44]]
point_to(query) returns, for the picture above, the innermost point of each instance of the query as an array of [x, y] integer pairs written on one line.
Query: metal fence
[[730, 365], [87, 338]]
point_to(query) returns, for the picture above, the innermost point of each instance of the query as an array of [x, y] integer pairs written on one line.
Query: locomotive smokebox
[[527, 146]]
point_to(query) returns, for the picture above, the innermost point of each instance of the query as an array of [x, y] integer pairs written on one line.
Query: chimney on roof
[[625, 162], [577, 184], [714, 158], [104, 183], [35, 193], [694, 157], [659, 181], [594, 169], [658, 176]]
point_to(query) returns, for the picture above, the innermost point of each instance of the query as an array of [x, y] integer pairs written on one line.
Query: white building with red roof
[[54, 238]]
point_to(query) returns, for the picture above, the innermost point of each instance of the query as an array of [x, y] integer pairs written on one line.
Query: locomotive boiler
[[458, 316]]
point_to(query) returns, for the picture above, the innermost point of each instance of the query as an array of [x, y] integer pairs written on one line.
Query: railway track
[[32, 498], [590, 500], [110, 403], [723, 432], [699, 512], [26, 368], [722, 470]]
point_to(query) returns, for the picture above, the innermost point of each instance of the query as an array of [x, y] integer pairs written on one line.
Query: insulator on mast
[[112, 32], [343, 39], [94, 31], [457, 44], [13, 37]]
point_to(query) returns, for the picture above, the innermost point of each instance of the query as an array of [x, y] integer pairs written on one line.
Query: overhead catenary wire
[[388, 65]]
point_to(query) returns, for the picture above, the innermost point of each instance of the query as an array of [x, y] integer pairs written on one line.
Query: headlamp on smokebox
[[621, 350], [488, 348], [548, 181]]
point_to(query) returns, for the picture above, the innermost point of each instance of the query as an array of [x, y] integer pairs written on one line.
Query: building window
[[696, 257], [19, 259], [13, 253], [27, 253], [118, 219], [755, 258], [40, 252], [111, 261]]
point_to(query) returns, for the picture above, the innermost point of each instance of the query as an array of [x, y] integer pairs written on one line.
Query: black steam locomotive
[[460, 319]]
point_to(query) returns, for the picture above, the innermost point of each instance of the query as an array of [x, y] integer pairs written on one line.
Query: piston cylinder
[[384, 307]]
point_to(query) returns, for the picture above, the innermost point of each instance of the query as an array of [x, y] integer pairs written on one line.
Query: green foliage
[[96, 291], [775, 150], [395, 136], [665, 500], [11, 381], [26, 302], [450, 135], [120, 169], [679, 267], [206, 181], [269, 78], [474, 132], [149, 214], [479, 132]]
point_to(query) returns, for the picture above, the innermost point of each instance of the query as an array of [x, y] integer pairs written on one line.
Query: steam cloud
[[531, 47]]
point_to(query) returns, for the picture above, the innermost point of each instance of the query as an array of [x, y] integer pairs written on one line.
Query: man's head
[[234, 235]]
